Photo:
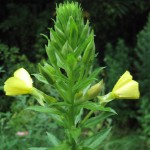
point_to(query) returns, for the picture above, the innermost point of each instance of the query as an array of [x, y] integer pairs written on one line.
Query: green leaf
[[40, 78], [38, 148], [75, 132], [82, 46], [85, 33], [89, 51], [44, 109], [83, 83], [78, 116], [71, 61], [95, 140], [62, 146], [95, 106], [50, 50], [60, 33], [53, 139], [96, 120], [66, 49], [85, 148], [72, 31], [60, 60]]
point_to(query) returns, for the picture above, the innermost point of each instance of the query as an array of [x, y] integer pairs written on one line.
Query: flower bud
[[94, 90]]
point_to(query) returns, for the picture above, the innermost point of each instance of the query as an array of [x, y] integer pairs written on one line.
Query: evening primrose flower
[[20, 83], [126, 88]]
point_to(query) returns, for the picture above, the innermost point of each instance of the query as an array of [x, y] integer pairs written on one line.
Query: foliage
[[19, 120], [71, 51], [142, 65], [10, 55], [124, 140], [118, 59], [21, 24]]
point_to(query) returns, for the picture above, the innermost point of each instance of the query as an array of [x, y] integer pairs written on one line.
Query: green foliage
[[20, 26], [143, 61], [8, 59], [142, 65], [19, 120], [117, 61], [125, 141]]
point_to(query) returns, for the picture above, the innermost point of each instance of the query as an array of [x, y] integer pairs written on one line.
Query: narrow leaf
[[95, 140], [96, 120], [44, 109], [95, 106], [53, 139]]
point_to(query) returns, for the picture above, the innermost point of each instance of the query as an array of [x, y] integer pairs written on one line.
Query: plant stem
[[71, 112], [87, 116]]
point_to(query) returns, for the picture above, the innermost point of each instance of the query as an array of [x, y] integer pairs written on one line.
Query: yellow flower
[[126, 87], [20, 83]]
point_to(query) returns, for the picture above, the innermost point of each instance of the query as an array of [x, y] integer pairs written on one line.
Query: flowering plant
[[71, 52]]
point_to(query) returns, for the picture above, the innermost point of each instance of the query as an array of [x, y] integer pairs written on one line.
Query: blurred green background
[[122, 38]]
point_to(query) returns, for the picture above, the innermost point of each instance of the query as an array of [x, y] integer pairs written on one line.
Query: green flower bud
[[94, 90]]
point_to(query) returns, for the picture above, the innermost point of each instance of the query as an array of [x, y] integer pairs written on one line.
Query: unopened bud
[[78, 95], [94, 90]]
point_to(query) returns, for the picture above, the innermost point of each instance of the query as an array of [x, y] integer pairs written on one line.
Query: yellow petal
[[15, 86], [125, 78], [129, 90], [23, 75]]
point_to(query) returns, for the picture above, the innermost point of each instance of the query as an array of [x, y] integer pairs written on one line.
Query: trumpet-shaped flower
[[126, 87], [20, 83]]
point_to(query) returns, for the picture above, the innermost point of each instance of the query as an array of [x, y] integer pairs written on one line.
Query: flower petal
[[15, 86], [128, 91], [125, 78], [23, 75]]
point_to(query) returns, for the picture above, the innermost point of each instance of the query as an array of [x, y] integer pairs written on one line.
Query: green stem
[[87, 116], [71, 112]]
